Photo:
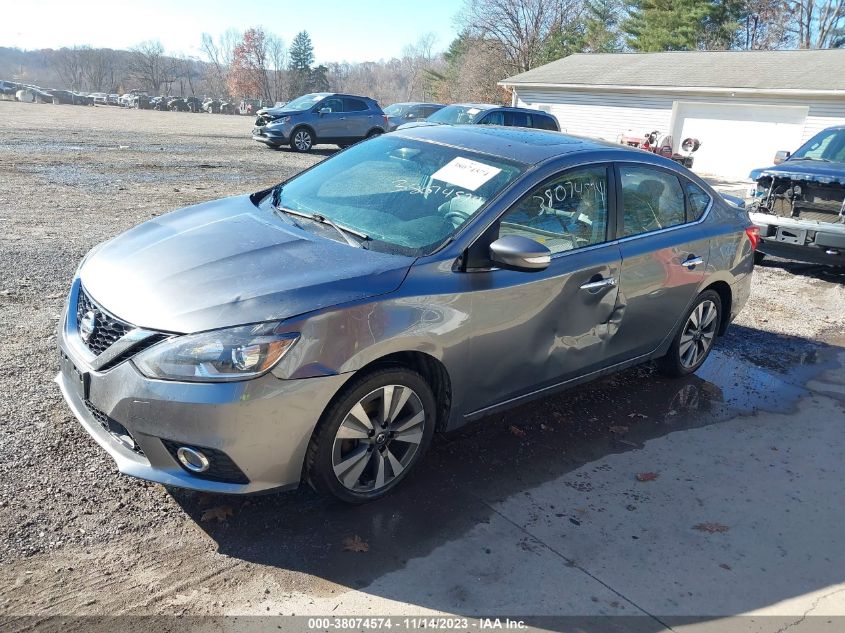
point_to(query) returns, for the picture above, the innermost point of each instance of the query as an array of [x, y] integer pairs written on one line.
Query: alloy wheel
[[378, 438], [698, 334], [302, 140]]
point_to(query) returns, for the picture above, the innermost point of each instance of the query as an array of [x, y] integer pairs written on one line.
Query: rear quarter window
[[698, 201]]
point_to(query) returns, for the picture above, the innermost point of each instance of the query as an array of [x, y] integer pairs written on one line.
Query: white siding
[[608, 114]]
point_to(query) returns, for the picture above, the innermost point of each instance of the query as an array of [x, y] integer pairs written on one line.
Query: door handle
[[691, 262], [607, 282]]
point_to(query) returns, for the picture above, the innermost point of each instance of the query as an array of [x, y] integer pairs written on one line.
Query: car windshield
[[455, 114], [306, 101], [828, 145], [407, 196], [397, 109]]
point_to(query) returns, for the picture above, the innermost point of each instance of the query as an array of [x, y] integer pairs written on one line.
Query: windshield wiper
[[821, 160], [321, 219]]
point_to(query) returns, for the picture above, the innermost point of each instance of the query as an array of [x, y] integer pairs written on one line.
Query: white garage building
[[742, 105]]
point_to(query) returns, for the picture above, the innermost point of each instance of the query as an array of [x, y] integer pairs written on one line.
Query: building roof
[[803, 70]]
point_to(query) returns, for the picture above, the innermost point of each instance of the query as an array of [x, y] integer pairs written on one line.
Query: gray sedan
[[325, 329]]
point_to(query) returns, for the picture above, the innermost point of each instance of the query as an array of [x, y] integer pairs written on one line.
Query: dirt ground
[[537, 511]]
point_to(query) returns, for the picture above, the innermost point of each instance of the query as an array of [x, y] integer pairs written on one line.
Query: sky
[[341, 30]]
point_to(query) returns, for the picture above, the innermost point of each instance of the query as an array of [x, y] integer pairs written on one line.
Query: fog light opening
[[192, 459]]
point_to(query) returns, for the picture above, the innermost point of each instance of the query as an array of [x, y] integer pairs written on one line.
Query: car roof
[[528, 146], [528, 110], [480, 106]]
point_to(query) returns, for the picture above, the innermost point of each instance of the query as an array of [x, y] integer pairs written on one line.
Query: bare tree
[[277, 56], [416, 58], [219, 55], [99, 69], [520, 27], [70, 65], [818, 23], [151, 66]]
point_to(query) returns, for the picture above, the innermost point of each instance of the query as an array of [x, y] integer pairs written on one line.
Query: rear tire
[[695, 337], [375, 132], [759, 257], [372, 435]]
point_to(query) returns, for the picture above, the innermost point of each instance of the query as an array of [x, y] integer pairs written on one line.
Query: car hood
[[798, 169], [227, 263], [279, 112]]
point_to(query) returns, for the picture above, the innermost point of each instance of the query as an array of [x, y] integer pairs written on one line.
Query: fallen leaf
[[617, 428], [220, 513], [711, 528], [515, 430], [355, 544], [725, 566], [647, 476]]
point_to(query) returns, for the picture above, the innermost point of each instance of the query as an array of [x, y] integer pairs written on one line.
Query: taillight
[[753, 233]]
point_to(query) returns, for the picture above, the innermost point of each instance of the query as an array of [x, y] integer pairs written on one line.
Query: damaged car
[[324, 329], [799, 202]]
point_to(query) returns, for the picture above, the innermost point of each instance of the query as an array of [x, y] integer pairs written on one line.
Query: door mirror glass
[[781, 156], [325, 110], [410, 115], [520, 253]]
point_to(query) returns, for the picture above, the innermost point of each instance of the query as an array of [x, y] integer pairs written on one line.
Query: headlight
[[221, 355], [281, 121]]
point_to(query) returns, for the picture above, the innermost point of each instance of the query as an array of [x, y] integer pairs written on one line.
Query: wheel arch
[[723, 289], [308, 127], [431, 369]]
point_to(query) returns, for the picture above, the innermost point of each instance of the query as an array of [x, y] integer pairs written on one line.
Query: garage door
[[737, 138]]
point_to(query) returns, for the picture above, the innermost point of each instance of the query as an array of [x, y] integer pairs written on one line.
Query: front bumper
[[803, 240], [274, 137], [262, 425]]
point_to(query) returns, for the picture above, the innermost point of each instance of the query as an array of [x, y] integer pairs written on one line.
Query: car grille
[[114, 428], [107, 328]]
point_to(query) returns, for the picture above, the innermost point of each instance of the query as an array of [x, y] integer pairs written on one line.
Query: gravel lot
[[73, 176]]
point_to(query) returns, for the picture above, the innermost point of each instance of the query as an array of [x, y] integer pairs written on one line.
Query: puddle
[[511, 454]]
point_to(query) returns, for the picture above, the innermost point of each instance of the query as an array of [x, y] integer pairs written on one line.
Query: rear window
[[543, 122]]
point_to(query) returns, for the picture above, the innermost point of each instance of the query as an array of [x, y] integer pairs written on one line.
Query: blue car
[[799, 202]]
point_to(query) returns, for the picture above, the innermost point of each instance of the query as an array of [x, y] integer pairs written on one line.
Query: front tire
[[372, 435], [759, 257], [694, 340], [301, 140]]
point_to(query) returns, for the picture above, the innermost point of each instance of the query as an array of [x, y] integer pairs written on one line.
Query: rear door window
[[520, 119], [544, 122], [354, 105], [652, 200]]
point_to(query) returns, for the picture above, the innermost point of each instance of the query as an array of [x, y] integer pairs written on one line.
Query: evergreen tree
[[681, 25], [301, 57], [601, 26]]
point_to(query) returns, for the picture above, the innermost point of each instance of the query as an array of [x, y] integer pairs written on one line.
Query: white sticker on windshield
[[465, 173]]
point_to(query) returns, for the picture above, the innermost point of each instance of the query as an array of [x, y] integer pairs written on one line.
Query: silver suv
[[320, 117]]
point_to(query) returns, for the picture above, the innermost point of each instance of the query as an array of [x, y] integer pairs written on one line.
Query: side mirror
[[520, 253], [410, 115], [781, 156], [325, 110]]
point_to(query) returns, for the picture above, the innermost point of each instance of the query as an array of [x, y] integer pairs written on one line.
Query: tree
[[601, 26], [219, 54], [152, 67], [818, 24], [248, 73], [301, 59], [472, 67], [681, 25], [520, 28], [278, 58], [100, 68], [70, 65], [763, 25]]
